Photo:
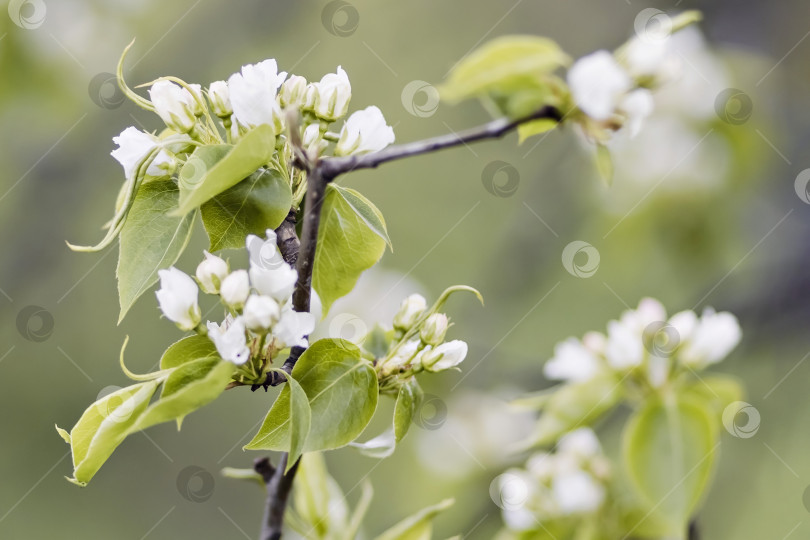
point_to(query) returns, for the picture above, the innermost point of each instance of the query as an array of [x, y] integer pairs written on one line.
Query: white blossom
[[177, 297], [572, 361], [220, 98], [365, 131], [174, 104], [410, 310], [230, 340], [597, 84], [264, 252], [260, 312], [577, 492], [293, 91], [636, 106], [293, 327], [434, 329], [581, 442], [713, 338], [210, 273], [253, 94], [445, 356], [332, 95], [235, 288], [133, 146], [277, 282]]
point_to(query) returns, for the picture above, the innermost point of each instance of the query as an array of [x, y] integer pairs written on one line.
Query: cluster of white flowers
[[261, 319], [426, 351], [568, 482], [646, 342], [257, 95]]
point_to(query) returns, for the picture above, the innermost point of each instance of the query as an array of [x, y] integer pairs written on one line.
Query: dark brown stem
[[694, 531], [287, 239]]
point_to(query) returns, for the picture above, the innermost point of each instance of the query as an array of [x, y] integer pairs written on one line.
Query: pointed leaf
[[408, 399], [151, 240], [300, 418], [418, 526], [187, 349], [259, 202], [311, 496]]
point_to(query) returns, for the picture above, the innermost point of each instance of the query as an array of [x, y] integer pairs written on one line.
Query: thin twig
[[694, 531]]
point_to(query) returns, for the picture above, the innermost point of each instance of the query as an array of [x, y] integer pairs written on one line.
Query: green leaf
[[311, 496], [535, 127], [669, 452], [188, 388], [718, 391], [300, 418], [187, 349], [151, 240], [331, 372], [604, 163], [351, 239], [104, 425], [356, 520], [503, 64], [259, 202], [419, 526], [212, 169], [408, 399]]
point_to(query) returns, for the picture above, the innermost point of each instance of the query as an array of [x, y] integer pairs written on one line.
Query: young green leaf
[[151, 240], [104, 425], [669, 451], [351, 239], [212, 169], [503, 64], [300, 418], [604, 163], [319, 503], [187, 349], [259, 202], [330, 371], [188, 388], [419, 526], [408, 399]]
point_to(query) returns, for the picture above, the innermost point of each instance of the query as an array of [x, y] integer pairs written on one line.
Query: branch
[[694, 531], [287, 239], [333, 167]]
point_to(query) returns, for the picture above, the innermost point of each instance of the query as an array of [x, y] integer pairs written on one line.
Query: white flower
[[277, 282], [572, 361], [264, 253], [220, 98], [434, 329], [581, 442], [177, 297], [293, 328], [654, 59], [445, 356], [312, 139], [597, 84], [133, 146], [229, 339], [684, 324], [174, 104], [293, 91], [198, 100], [210, 273], [714, 337], [406, 354], [636, 106], [577, 492], [253, 94], [365, 131], [333, 93], [624, 349], [261, 312], [235, 288], [409, 311]]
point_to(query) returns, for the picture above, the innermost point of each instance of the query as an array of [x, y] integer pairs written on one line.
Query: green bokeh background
[[740, 248]]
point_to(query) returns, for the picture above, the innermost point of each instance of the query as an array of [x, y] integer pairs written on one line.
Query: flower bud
[[334, 93], [312, 139], [409, 311], [310, 97], [434, 329], [365, 131], [445, 356], [293, 91], [220, 99], [235, 289], [211, 272], [260, 313], [174, 105], [177, 297], [197, 100]]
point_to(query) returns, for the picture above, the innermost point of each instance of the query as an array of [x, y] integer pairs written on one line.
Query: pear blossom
[[276, 282], [581, 442], [264, 253], [230, 340], [598, 83], [434, 329], [219, 96], [252, 94], [410, 310], [577, 492], [174, 104], [235, 288], [572, 361], [177, 297], [293, 91], [365, 131], [408, 353], [211, 272], [293, 328], [445, 356], [713, 338], [133, 146], [654, 59], [636, 106], [260, 312], [332, 95], [198, 100]]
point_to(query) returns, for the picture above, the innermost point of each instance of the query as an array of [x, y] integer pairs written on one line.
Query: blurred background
[[709, 207]]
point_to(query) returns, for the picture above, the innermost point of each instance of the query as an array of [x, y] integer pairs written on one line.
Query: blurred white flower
[[220, 98], [572, 361], [654, 59], [260, 313], [174, 104], [636, 106], [235, 289], [133, 146], [177, 297], [365, 131], [598, 83], [210, 273], [581, 442], [333, 93], [577, 492], [445, 356], [714, 337], [253, 94], [230, 340]]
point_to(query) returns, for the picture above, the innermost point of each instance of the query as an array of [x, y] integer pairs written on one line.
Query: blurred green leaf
[[152, 239], [418, 526], [311, 496], [604, 163], [259, 202]]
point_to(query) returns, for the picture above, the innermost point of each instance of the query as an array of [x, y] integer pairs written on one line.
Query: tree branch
[[332, 167], [287, 239]]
